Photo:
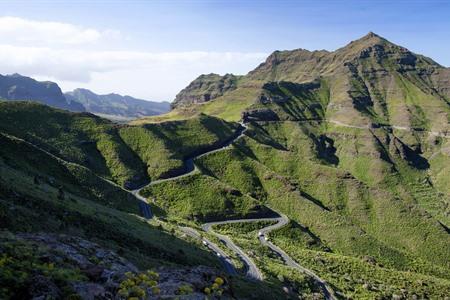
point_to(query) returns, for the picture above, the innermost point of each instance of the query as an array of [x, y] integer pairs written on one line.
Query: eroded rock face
[[205, 88]]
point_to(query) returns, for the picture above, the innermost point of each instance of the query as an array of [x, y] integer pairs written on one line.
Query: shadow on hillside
[[325, 149], [314, 200]]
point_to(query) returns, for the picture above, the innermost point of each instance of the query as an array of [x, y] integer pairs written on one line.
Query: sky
[[153, 49]]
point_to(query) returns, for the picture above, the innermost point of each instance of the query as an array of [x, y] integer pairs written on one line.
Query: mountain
[[205, 88], [117, 106], [69, 229], [17, 87], [366, 81], [318, 175], [353, 147]]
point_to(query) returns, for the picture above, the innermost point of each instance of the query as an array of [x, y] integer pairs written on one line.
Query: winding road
[[253, 271], [190, 169], [224, 258]]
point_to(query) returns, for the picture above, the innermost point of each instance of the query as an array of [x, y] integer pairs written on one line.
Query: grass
[[172, 142], [69, 177], [200, 198], [80, 138], [29, 207], [359, 278], [129, 155], [368, 207], [228, 107], [352, 216], [365, 279], [272, 266]]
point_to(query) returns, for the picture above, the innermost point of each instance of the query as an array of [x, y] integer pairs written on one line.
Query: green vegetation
[[137, 285], [215, 289], [276, 273], [348, 144], [116, 152], [163, 147], [333, 210], [45, 169], [27, 205], [200, 198], [243, 227], [364, 278], [80, 138]]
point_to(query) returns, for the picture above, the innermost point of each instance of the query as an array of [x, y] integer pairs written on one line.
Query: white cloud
[[79, 65], [63, 53], [23, 31]]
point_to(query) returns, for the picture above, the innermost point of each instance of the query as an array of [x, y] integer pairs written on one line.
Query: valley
[[318, 175]]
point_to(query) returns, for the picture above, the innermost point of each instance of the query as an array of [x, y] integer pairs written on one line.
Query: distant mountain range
[[16, 87], [115, 105]]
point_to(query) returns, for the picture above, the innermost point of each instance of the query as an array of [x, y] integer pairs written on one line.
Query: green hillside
[[43, 195], [128, 155], [352, 146]]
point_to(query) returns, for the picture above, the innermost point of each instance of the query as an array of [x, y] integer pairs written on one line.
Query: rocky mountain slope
[[17, 87], [370, 80], [116, 106], [353, 146], [205, 88]]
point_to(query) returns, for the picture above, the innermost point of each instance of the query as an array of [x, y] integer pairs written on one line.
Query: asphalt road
[[223, 257], [326, 289], [253, 271], [190, 168]]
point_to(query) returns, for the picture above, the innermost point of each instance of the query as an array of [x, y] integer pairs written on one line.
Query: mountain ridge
[[16, 87], [351, 147], [365, 79], [114, 104]]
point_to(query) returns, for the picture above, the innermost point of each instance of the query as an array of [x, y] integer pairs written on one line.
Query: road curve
[[190, 169], [253, 271], [223, 257], [326, 289]]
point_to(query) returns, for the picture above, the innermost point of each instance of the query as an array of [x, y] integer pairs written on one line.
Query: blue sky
[[152, 49]]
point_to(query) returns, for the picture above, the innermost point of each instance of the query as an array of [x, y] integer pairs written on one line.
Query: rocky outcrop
[[205, 88], [62, 266]]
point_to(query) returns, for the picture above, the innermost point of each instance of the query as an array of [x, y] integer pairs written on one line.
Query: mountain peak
[[372, 35], [369, 40]]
